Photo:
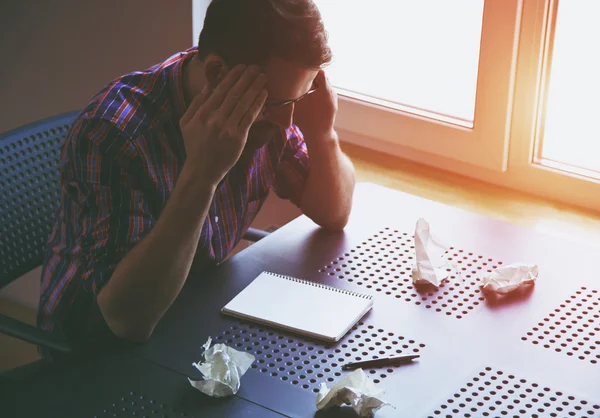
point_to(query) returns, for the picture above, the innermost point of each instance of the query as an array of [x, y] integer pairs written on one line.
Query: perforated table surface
[[535, 354]]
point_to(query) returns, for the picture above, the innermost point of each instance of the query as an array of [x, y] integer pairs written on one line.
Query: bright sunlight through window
[[418, 56], [571, 131]]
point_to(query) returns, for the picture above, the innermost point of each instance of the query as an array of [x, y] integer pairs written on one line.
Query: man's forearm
[[147, 281], [327, 197]]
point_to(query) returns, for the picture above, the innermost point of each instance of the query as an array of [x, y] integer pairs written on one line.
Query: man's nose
[[283, 117]]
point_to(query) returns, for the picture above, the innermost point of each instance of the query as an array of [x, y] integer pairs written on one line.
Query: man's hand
[[216, 124], [315, 114], [328, 189]]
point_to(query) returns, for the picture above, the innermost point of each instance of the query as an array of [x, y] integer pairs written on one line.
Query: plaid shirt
[[119, 165]]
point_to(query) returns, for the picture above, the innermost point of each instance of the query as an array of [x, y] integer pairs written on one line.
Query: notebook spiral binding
[[322, 286]]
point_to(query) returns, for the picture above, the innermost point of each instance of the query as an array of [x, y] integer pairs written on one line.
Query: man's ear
[[215, 70]]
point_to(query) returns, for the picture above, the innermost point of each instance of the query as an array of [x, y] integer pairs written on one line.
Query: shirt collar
[[175, 79]]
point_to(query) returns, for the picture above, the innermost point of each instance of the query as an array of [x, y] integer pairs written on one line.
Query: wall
[[56, 54]]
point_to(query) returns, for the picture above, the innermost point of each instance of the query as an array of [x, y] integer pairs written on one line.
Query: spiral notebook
[[312, 309]]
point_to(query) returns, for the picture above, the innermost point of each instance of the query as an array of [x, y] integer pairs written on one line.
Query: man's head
[[285, 38]]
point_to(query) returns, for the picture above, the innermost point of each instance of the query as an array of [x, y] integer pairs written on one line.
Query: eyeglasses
[[278, 105]]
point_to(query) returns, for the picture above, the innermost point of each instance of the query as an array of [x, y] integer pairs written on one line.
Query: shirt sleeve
[[105, 209], [114, 211], [292, 169]]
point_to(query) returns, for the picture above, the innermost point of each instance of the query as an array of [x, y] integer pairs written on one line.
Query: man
[[167, 168]]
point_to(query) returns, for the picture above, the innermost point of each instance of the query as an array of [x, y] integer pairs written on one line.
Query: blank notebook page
[[305, 307]]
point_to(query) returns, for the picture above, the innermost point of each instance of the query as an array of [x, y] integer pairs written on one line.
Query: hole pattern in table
[[134, 404], [307, 362], [384, 264], [573, 328], [29, 186], [494, 393]]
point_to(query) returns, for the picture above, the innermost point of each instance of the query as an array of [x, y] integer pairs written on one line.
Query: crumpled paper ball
[[354, 389], [431, 267], [222, 370], [509, 278]]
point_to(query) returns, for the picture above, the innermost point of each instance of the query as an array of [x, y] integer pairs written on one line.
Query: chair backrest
[[29, 192]]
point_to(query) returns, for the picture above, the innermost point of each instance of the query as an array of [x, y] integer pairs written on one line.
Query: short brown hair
[[252, 31]]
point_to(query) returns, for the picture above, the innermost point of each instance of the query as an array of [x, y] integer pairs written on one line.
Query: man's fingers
[[196, 103], [220, 92], [252, 113], [251, 79], [245, 101]]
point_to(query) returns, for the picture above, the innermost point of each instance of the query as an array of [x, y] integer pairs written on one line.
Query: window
[[425, 67], [570, 135], [520, 113], [425, 79]]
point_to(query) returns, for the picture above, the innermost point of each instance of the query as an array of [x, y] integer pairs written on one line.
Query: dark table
[[536, 353], [119, 385], [533, 354]]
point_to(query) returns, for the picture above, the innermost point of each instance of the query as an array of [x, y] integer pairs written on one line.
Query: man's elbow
[[133, 334], [335, 224], [124, 327], [325, 217]]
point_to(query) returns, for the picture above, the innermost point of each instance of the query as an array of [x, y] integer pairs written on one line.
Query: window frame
[[509, 157], [485, 144]]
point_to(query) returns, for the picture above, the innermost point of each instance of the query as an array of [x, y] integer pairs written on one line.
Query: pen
[[380, 362]]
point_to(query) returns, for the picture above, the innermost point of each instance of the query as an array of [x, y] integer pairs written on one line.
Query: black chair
[[29, 191], [29, 186]]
